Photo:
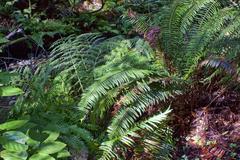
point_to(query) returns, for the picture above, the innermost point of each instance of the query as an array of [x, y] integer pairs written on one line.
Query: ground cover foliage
[[119, 79]]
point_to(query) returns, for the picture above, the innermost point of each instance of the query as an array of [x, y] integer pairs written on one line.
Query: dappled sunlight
[[214, 131]]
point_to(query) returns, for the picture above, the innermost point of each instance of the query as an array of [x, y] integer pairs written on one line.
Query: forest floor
[[207, 124]]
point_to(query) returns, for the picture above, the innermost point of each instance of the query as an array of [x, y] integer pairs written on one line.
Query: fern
[[124, 67], [206, 35], [76, 57], [129, 115], [127, 73], [204, 28], [148, 125], [203, 8], [107, 72]]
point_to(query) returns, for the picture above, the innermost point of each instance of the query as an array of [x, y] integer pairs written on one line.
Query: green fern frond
[[125, 65], [200, 10], [108, 151], [74, 142], [197, 29], [209, 30], [76, 57], [108, 82], [128, 116], [153, 122], [172, 38], [149, 124]]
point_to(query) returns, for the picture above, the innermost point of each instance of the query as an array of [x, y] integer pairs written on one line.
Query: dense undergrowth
[[153, 79]]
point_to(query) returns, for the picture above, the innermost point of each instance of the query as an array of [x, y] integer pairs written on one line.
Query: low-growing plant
[[21, 140], [118, 82], [5, 88]]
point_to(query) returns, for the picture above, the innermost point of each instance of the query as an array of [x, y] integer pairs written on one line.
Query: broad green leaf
[[63, 154], [9, 155], [14, 146], [10, 91], [52, 136], [41, 157], [12, 124], [16, 136], [51, 147]]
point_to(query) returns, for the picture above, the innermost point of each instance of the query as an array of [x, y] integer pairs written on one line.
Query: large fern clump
[[121, 86], [194, 30], [128, 84]]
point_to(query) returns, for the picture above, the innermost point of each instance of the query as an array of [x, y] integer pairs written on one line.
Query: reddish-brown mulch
[[207, 124]]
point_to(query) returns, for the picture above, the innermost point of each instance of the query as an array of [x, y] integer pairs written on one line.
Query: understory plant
[[117, 86], [194, 31], [5, 88], [21, 140]]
